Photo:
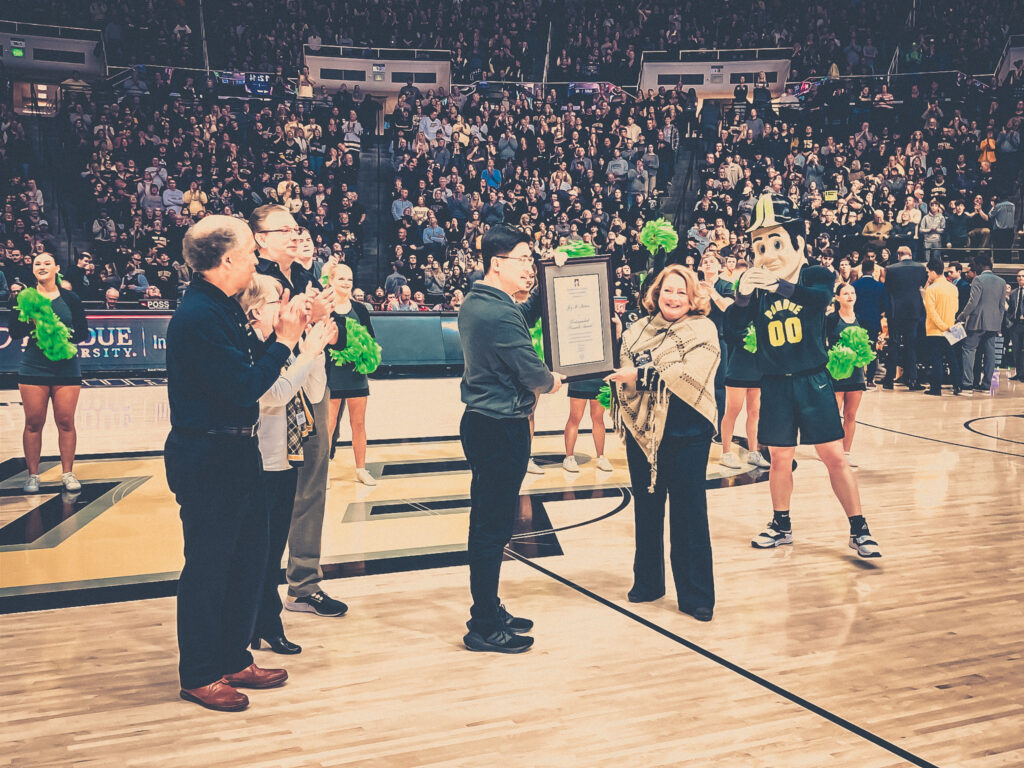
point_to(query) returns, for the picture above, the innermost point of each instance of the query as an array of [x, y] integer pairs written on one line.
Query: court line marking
[[969, 426], [944, 442], [732, 666]]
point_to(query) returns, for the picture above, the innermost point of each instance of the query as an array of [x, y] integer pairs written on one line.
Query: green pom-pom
[[577, 249], [659, 233], [51, 335], [323, 280], [841, 362], [604, 397], [537, 336], [361, 349], [750, 339], [857, 339]]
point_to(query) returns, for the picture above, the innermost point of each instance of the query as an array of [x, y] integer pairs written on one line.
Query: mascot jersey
[[790, 323]]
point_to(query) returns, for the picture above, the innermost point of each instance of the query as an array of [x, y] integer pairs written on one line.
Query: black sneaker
[[513, 624], [772, 536], [501, 641], [319, 603]]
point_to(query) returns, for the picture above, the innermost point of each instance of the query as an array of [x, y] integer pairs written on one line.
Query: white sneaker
[[849, 459], [364, 477], [865, 546], [729, 460], [71, 482], [533, 468], [31, 485], [757, 459], [569, 464], [604, 465]]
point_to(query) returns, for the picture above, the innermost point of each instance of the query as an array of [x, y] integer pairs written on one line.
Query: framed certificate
[[576, 307]]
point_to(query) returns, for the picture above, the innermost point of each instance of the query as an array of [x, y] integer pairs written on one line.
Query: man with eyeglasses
[[278, 239], [502, 379]]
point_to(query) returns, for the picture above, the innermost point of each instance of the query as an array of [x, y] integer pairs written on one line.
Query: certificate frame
[[585, 361]]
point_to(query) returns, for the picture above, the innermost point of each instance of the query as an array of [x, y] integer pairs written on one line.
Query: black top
[[213, 379], [903, 282], [789, 322], [502, 372], [834, 327], [79, 327], [296, 282]]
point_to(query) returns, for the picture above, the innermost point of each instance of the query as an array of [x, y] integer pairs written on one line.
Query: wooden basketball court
[[815, 657]]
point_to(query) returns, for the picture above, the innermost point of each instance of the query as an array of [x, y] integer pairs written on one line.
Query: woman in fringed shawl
[[664, 406]]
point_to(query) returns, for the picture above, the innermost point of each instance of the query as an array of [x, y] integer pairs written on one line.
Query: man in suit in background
[[872, 305], [903, 282], [955, 275], [983, 319], [1015, 326]]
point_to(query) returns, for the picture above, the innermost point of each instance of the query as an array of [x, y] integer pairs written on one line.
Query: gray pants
[[987, 341], [304, 536]]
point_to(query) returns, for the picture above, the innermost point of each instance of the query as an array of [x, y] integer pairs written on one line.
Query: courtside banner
[[129, 342], [118, 342]]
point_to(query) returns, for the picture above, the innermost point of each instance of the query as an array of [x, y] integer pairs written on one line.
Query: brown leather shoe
[[218, 695], [254, 677]]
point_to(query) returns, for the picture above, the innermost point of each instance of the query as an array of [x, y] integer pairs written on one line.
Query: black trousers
[[682, 473], [941, 352], [903, 340], [498, 451], [1016, 338], [279, 489], [218, 483]]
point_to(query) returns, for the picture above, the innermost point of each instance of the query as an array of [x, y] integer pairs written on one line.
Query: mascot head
[[777, 240]]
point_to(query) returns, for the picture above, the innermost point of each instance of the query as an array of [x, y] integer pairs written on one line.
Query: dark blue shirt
[[213, 378], [296, 282], [872, 301]]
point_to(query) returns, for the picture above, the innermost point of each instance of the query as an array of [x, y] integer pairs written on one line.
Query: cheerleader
[[346, 384], [848, 391], [53, 320]]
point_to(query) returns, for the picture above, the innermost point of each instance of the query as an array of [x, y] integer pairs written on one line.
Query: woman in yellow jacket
[[195, 199], [988, 148]]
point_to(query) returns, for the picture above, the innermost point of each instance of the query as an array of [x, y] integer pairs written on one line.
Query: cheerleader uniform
[[857, 382], [35, 368]]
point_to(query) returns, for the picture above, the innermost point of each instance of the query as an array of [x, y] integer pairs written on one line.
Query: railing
[[717, 54], [380, 54], [50, 30], [1012, 41]]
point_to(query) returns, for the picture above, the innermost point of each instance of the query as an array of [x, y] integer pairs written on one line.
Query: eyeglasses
[[292, 231], [525, 260]]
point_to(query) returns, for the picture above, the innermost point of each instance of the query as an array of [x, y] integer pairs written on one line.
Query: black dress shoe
[[700, 614], [279, 644], [915, 387], [935, 392], [643, 596], [887, 385], [501, 641]]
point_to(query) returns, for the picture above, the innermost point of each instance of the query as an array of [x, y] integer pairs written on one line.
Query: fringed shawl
[[685, 356]]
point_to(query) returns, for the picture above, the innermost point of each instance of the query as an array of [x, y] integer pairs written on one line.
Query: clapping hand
[[292, 320], [322, 304], [317, 337]]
